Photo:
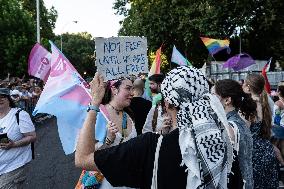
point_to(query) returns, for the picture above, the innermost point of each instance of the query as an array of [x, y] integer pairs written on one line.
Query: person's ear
[[114, 90], [228, 101]]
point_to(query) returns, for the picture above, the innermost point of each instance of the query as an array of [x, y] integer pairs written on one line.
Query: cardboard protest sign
[[121, 56]]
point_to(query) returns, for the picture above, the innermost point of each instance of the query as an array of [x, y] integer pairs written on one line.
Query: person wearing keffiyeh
[[196, 154], [205, 146]]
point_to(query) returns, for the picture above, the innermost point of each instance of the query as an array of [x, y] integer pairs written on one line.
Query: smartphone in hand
[[4, 138]]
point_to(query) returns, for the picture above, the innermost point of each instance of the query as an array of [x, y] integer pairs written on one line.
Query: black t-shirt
[[131, 163], [140, 108]]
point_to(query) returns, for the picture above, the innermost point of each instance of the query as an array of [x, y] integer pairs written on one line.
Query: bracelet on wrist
[[94, 108]]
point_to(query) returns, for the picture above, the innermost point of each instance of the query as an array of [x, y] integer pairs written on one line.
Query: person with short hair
[[15, 152], [139, 106], [155, 81], [155, 118]]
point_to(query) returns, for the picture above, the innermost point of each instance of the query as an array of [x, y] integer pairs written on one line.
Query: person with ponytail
[[235, 101], [264, 160]]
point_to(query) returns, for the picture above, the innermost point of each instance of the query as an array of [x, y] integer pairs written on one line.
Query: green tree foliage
[[47, 19], [18, 33], [182, 22], [164, 62], [17, 37], [79, 49]]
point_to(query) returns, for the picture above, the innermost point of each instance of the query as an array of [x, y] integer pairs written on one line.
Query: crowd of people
[[191, 132], [196, 134], [24, 92]]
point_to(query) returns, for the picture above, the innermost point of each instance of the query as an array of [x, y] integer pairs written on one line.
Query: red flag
[[265, 69]]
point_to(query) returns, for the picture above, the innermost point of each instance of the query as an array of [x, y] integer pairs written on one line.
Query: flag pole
[[240, 41], [210, 65]]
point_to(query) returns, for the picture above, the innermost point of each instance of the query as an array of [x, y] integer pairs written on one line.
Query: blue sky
[[94, 16]]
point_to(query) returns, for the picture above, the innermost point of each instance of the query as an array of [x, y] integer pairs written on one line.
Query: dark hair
[[241, 101], [158, 78], [210, 82], [256, 84], [107, 96], [280, 89], [241, 81], [11, 102]]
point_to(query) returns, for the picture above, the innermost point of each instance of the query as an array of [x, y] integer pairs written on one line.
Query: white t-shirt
[[15, 157]]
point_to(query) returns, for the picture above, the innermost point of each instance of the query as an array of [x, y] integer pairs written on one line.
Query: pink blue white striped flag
[[65, 96], [178, 58], [39, 62]]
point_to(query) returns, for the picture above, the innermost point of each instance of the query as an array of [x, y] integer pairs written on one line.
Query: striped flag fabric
[[66, 96], [216, 45], [177, 58], [39, 62], [156, 65]]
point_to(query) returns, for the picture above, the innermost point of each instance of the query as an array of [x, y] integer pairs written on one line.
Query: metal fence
[[216, 71]]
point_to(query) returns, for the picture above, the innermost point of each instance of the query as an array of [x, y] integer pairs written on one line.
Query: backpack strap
[[18, 121], [18, 115]]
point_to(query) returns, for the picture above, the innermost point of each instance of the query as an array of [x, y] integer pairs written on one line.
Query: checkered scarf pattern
[[204, 142]]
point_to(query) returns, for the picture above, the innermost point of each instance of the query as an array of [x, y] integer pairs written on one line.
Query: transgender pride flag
[[65, 96], [178, 58]]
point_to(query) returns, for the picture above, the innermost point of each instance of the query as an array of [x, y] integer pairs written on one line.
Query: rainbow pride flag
[[156, 65], [216, 45]]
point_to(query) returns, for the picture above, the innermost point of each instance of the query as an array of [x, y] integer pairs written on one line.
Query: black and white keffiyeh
[[204, 142]]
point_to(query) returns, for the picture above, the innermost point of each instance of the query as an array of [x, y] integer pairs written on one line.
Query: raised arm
[[84, 155]]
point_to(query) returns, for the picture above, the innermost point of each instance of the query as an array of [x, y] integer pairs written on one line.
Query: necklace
[[116, 110]]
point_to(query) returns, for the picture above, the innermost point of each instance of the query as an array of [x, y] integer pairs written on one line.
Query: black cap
[[5, 91]]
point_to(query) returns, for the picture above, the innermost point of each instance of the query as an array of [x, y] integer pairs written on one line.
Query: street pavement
[[51, 168]]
